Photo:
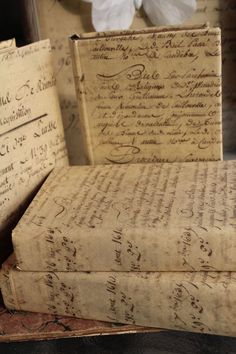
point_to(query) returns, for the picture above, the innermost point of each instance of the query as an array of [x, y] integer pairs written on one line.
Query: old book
[[137, 217], [149, 96], [197, 302], [58, 19], [31, 132]]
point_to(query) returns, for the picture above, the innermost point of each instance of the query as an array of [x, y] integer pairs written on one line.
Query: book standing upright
[[149, 96]]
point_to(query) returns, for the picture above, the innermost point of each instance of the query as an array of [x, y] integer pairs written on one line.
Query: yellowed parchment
[[138, 217], [150, 96], [31, 131], [59, 19], [197, 302]]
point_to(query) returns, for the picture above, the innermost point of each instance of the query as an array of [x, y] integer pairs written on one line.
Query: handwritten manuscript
[[31, 131], [137, 217], [197, 302], [58, 19], [150, 96]]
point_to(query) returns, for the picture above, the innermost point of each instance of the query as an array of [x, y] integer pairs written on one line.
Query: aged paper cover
[[198, 302], [31, 131], [150, 96], [137, 217], [59, 19]]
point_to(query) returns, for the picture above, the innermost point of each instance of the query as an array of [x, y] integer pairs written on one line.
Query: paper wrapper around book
[[149, 96], [137, 217]]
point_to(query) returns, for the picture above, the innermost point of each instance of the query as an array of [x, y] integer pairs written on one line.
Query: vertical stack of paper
[[31, 131]]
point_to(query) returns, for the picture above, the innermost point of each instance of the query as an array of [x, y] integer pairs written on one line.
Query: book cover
[[59, 19], [137, 217], [149, 96], [31, 132]]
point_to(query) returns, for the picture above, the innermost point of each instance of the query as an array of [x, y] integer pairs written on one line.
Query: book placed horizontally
[[84, 245], [137, 217], [194, 301]]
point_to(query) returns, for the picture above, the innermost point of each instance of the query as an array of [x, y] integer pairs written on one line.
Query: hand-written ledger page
[[151, 97], [31, 132], [153, 217]]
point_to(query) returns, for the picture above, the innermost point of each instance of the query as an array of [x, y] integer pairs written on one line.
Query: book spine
[[81, 93], [198, 302]]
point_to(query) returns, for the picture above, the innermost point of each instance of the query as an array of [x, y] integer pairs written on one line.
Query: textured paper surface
[[59, 19], [31, 131], [197, 302], [151, 96], [155, 217]]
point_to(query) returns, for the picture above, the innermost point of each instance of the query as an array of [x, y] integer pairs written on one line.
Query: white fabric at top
[[112, 14], [118, 14]]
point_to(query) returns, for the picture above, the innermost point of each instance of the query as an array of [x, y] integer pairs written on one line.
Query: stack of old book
[[152, 245], [148, 244]]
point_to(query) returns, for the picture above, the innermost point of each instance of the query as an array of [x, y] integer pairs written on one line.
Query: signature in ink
[[123, 154], [133, 72]]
